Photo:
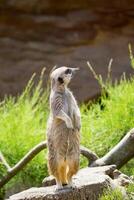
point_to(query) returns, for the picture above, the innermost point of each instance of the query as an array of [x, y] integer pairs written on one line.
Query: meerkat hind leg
[[73, 168], [63, 172], [58, 185], [61, 180]]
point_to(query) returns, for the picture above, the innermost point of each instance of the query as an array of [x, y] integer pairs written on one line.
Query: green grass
[[107, 121], [103, 128], [23, 124], [112, 195], [116, 194]]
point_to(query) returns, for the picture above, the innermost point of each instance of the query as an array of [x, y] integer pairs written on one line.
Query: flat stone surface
[[107, 170], [89, 184]]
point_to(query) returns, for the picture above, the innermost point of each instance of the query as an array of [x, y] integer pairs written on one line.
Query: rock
[[108, 170], [122, 179], [89, 184]]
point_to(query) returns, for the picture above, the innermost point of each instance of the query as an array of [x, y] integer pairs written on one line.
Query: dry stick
[[109, 70], [96, 76], [91, 156], [3, 160], [29, 156]]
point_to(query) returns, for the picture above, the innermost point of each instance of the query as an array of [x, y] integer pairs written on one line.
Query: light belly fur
[[62, 142]]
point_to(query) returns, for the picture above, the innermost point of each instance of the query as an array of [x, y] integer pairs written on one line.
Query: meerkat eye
[[68, 71], [60, 80]]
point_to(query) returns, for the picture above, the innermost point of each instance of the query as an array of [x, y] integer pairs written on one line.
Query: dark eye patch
[[60, 80], [68, 71]]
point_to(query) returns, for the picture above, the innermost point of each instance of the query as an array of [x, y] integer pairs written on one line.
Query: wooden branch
[[29, 156], [4, 162], [120, 154], [91, 156]]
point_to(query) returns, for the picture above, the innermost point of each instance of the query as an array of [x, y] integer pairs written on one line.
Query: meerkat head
[[62, 76]]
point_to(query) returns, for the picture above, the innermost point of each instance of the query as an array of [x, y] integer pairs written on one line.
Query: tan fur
[[63, 130]]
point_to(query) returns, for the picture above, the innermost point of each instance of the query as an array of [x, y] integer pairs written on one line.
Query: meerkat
[[63, 129]]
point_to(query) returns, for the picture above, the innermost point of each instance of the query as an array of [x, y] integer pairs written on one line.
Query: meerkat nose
[[75, 68]]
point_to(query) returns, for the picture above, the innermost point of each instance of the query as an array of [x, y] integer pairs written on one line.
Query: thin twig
[[92, 70], [4, 162], [52, 70], [109, 70], [96, 76]]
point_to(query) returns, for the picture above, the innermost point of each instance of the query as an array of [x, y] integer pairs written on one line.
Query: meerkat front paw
[[77, 123], [69, 124], [59, 187]]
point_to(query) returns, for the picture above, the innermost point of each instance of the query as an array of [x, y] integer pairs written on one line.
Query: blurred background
[[44, 33]]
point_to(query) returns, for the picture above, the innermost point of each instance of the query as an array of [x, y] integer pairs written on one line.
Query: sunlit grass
[[112, 195], [116, 194], [104, 127], [22, 126]]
